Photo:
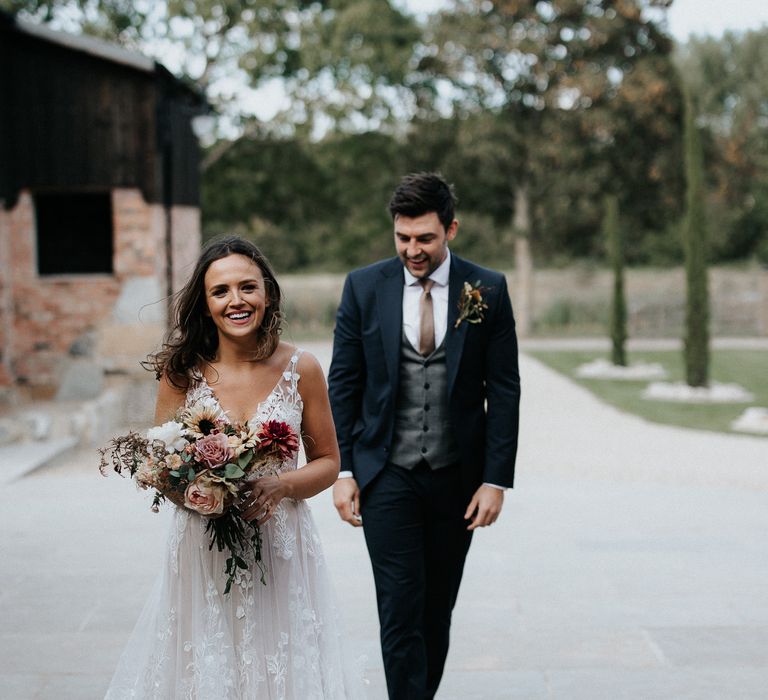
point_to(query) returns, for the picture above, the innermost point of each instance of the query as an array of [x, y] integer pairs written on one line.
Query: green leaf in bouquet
[[244, 458], [230, 571], [191, 474], [232, 471], [186, 456], [175, 473]]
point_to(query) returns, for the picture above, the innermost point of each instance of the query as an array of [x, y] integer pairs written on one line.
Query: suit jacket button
[[423, 450]]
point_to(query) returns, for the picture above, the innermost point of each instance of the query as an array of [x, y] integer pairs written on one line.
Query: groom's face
[[422, 242]]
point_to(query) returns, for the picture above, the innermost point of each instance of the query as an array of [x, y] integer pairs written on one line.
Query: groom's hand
[[346, 498], [485, 506]]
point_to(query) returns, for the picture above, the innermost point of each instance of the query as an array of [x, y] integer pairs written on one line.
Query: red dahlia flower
[[279, 436]]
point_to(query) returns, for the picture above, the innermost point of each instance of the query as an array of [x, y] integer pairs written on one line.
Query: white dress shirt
[[411, 296], [411, 314]]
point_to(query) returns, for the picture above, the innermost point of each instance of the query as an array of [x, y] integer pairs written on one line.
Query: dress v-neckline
[[294, 358]]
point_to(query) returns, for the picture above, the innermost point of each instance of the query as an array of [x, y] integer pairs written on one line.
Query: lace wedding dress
[[279, 641]]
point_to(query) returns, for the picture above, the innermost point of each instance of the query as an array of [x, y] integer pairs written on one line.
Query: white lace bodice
[[283, 403]]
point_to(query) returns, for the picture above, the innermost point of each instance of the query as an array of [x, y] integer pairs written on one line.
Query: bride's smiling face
[[235, 295]]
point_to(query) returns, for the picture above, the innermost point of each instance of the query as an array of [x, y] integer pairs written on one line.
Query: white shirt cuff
[[493, 486]]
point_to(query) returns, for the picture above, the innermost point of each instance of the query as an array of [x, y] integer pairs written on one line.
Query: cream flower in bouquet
[[172, 434], [207, 495], [203, 418], [246, 438]]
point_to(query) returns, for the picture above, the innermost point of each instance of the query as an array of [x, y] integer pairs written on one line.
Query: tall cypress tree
[[614, 243], [695, 248]]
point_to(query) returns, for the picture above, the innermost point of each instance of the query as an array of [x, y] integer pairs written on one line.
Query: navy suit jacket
[[483, 378]]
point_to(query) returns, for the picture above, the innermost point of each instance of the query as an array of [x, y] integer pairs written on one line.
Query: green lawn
[[748, 368]]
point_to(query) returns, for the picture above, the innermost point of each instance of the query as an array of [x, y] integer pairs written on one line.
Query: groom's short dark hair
[[421, 193]]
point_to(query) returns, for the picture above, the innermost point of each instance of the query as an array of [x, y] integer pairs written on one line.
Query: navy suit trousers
[[417, 539]]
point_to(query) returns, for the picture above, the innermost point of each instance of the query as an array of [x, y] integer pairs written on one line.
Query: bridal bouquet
[[202, 461]]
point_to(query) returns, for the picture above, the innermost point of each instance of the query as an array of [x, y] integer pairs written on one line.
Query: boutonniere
[[471, 304]]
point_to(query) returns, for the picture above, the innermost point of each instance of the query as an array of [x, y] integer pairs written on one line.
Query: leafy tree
[[727, 82], [273, 192], [310, 205], [633, 145], [568, 75], [473, 153], [363, 170]]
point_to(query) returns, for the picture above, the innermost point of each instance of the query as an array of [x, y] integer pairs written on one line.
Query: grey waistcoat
[[422, 429]]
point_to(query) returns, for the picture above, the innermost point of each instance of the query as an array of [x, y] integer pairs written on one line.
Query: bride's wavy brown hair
[[193, 339]]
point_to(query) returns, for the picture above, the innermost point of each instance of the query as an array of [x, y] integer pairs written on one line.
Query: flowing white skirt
[[279, 641]]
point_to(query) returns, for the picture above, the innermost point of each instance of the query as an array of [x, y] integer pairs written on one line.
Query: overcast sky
[[685, 17], [715, 16]]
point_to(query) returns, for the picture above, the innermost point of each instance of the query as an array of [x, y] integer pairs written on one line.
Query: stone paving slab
[[663, 684], [20, 459], [630, 562]]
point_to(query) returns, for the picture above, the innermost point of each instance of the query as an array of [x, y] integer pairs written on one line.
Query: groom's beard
[[428, 266]]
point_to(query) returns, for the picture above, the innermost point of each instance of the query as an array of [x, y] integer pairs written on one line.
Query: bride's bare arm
[[169, 400], [320, 446], [318, 432]]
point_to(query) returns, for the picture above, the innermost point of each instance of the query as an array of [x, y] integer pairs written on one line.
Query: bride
[[279, 639]]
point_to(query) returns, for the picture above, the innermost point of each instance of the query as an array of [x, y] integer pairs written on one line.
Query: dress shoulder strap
[[291, 376], [295, 376], [198, 390]]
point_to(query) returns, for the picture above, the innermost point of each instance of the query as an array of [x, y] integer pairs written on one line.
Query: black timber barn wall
[[72, 120]]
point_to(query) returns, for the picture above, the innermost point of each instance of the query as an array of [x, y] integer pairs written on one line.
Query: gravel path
[[630, 562]]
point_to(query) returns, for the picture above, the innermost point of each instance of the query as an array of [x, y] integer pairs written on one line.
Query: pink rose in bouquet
[[206, 496], [214, 450]]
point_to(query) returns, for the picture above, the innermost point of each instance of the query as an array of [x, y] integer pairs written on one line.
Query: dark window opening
[[74, 232]]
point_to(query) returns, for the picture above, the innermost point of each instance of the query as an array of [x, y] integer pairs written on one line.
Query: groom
[[425, 390]]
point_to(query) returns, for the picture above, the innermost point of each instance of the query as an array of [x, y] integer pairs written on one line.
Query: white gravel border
[[753, 420], [681, 392], [603, 369]]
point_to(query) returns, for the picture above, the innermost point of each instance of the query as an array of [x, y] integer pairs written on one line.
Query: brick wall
[[138, 230], [115, 319], [6, 305], [186, 239]]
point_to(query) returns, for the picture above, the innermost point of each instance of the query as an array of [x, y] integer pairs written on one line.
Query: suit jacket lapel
[[389, 301], [454, 337]]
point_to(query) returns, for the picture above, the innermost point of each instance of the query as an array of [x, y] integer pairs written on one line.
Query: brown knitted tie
[[426, 319]]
